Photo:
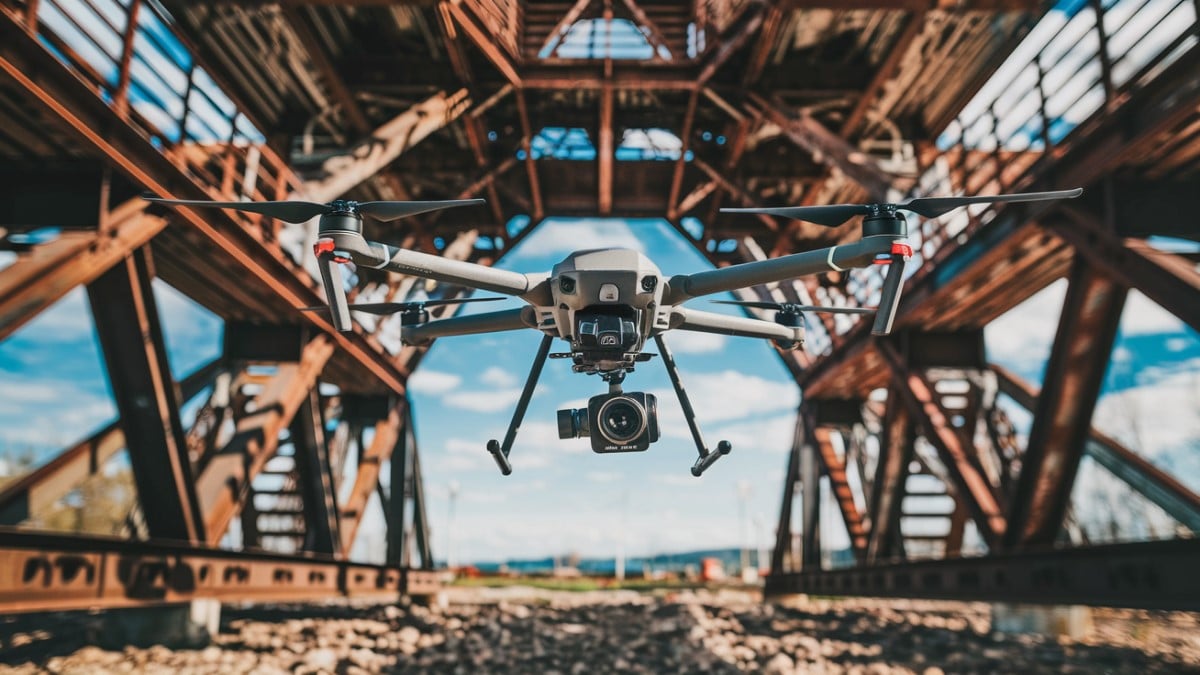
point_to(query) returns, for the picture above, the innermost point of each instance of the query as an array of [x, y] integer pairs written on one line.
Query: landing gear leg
[[707, 457], [499, 452]]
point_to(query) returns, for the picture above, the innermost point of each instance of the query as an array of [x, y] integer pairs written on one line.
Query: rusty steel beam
[[43, 276], [1159, 487], [653, 34], [783, 531], [535, 187], [366, 480], [223, 484], [397, 525], [736, 191], [318, 491], [605, 153], [693, 199], [330, 76], [554, 38], [484, 42], [374, 152], [828, 148], [896, 449], [970, 483], [1170, 280], [729, 46], [50, 572], [1144, 575], [772, 24], [1062, 419], [685, 138], [70, 104], [839, 484], [887, 70], [135, 356], [810, 496]]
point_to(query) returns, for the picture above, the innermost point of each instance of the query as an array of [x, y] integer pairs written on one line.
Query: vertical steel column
[[891, 476], [397, 534], [783, 533], [317, 488], [810, 486], [135, 355], [1063, 418], [420, 515]]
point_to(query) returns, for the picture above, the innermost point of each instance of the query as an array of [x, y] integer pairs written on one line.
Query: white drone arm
[[862, 253], [354, 247], [683, 318], [472, 324]]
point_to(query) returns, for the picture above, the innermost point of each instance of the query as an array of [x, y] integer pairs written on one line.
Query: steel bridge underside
[[527, 105]]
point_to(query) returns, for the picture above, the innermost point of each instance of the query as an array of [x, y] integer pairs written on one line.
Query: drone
[[606, 304]]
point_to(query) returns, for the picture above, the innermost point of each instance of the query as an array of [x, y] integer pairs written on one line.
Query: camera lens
[[622, 420]]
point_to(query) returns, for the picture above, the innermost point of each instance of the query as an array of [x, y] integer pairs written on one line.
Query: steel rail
[[50, 572], [1143, 575]]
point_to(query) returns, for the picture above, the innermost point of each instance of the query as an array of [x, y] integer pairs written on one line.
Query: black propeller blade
[[833, 215], [385, 308], [301, 212], [796, 309]]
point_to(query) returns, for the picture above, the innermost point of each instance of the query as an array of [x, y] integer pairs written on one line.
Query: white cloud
[[426, 381], [1143, 316], [604, 476], [725, 396], [1021, 338], [1160, 417], [483, 401], [559, 238], [691, 342], [498, 377]]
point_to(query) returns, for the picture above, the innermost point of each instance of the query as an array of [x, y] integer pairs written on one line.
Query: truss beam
[[223, 485], [891, 475], [969, 481], [1173, 497], [135, 355], [318, 491], [1063, 417], [374, 152], [366, 481]]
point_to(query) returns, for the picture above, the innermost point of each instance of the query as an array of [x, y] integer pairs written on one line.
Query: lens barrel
[[621, 420]]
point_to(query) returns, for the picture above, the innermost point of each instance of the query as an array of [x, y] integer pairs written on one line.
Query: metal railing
[[1081, 60]]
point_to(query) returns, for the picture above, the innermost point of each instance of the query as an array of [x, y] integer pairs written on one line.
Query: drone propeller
[[833, 215], [789, 308], [301, 212], [386, 308]]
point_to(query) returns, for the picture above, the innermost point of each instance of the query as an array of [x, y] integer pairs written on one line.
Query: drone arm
[[683, 318], [471, 324], [858, 254], [383, 256]]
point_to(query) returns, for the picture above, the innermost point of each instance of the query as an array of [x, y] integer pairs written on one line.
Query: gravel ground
[[518, 630]]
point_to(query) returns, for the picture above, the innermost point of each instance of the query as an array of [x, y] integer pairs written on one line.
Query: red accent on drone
[[326, 245], [897, 249]]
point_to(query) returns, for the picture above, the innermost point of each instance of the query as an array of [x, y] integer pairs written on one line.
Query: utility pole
[[743, 490], [450, 558]]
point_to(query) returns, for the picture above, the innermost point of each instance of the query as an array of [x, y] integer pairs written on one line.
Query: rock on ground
[[529, 631]]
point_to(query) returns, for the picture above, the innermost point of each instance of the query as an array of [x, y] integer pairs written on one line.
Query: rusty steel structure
[[617, 108]]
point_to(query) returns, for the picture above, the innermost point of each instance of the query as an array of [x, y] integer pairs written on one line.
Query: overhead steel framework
[[638, 108]]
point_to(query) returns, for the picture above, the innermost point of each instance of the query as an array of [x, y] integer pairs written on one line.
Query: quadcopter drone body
[[608, 303]]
